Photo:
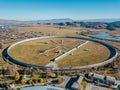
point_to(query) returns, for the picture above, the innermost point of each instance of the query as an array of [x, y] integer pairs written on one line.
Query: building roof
[[80, 79], [111, 78], [98, 76], [76, 85]]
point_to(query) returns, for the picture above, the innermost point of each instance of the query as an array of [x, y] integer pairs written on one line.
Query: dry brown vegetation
[[34, 52], [79, 58], [90, 53], [50, 30], [37, 51]]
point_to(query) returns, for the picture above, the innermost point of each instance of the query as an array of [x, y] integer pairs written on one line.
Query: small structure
[[108, 80], [118, 84], [77, 85], [99, 78], [51, 74], [59, 51], [12, 86], [118, 87], [71, 53], [111, 80], [24, 76]]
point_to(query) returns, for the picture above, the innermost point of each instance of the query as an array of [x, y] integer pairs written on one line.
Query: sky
[[55, 9]]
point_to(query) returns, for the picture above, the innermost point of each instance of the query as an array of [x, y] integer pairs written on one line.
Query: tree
[[41, 80], [3, 71], [23, 81], [1, 45], [17, 76], [61, 24]]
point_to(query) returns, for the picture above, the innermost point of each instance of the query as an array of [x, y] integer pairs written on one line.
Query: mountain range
[[71, 20], [110, 24], [52, 20], [3, 21], [101, 20]]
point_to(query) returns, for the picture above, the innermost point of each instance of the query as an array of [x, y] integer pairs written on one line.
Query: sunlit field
[[42, 51]]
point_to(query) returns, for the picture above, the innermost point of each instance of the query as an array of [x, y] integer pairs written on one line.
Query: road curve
[[113, 54]]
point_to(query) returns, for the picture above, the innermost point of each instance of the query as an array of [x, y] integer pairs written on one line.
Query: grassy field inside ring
[[40, 52]]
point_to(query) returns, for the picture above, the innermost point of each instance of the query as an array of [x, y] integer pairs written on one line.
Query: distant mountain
[[71, 20], [113, 25], [14, 23], [101, 20], [101, 25], [52, 20], [94, 23], [2, 21]]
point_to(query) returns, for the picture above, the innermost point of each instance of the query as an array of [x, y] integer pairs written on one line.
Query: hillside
[[52, 20], [109, 20], [94, 25], [14, 23], [101, 25], [63, 22]]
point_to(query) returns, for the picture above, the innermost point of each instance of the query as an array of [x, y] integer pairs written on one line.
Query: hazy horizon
[[61, 18]]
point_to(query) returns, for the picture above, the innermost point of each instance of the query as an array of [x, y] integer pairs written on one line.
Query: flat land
[[30, 52], [50, 30], [90, 53], [41, 51]]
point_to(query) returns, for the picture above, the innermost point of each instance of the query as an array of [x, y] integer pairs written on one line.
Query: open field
[[90, 53], [40, 52], [115, 44], [50, 30]]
